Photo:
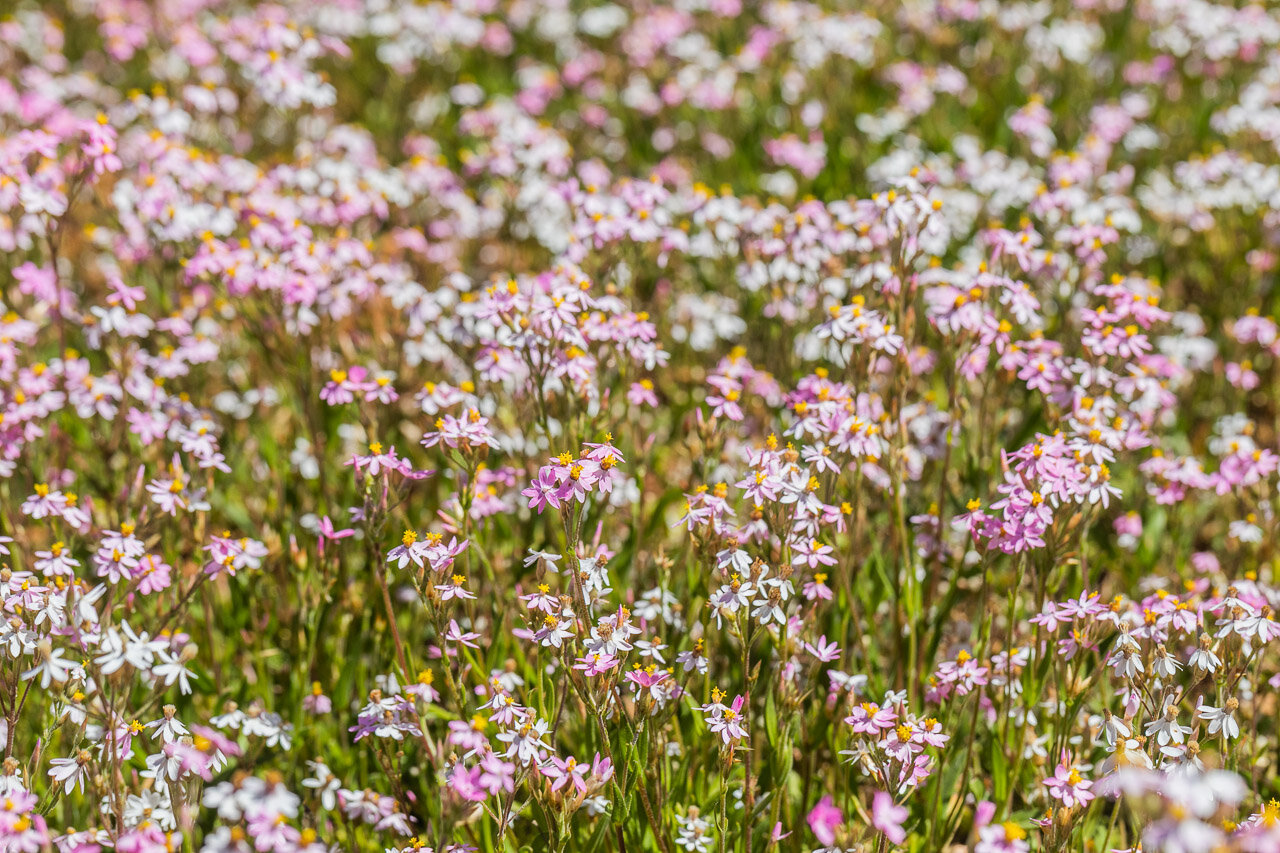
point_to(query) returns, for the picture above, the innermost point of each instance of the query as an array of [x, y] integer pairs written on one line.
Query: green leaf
[[999, 770], [771, 719]]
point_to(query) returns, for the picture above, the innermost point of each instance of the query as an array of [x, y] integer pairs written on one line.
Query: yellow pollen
[[1013, 832]]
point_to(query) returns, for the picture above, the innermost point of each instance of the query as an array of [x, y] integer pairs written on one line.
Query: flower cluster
[[690, 425]]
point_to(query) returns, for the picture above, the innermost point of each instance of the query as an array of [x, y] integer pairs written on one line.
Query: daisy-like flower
[[887, 817], [817, 589], [544, 491], [1005, 837], [50, 666], [727, 722], [822, 650], [1166, 729], [1222, 720], [324, 783], [596, 663], [693, 832], [1068, 787], [870, 718], [564, 772], [545, 559], [526, 744], [553, 631], [71, 773], [454, 634], [1203, 659], [496, 775], [824, 819], [812, 554], [454, 587]]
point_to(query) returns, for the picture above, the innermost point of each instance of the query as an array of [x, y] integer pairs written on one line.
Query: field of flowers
[[642, 427]]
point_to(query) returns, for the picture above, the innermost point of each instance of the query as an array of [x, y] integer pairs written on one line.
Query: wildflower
[[1068, 787], [50, 666], [496, 775], [824, 819], [886, 817], [544, 491], [1007, 837], [1166, 729], [1221, 719], [525, 743], [456, 635], [454, 587], [328, 533], [728, 721], [565, 771], [316, 701], [822, 650], [870, 718], [71, 773], [693, 832], [324, 783], [553, 631], [545, 559]]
